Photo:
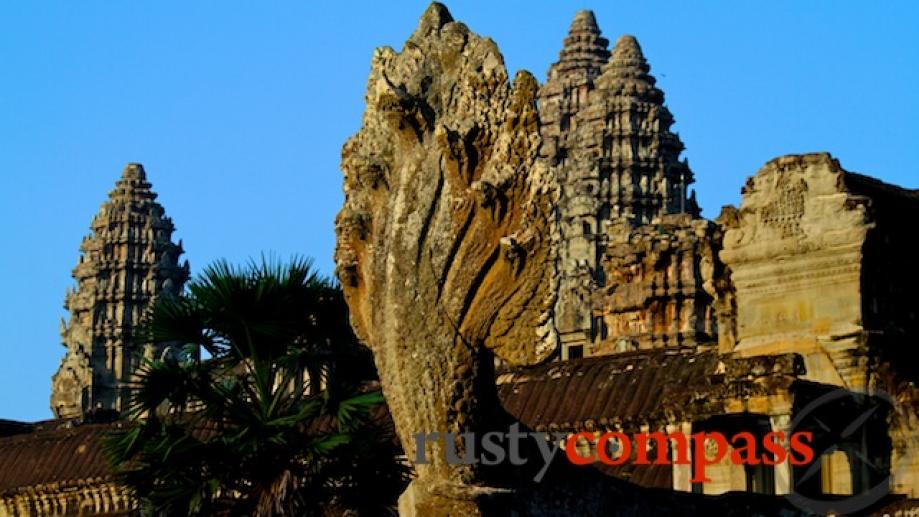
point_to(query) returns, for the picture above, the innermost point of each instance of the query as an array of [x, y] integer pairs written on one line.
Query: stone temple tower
[[126, 262], [606, 133]]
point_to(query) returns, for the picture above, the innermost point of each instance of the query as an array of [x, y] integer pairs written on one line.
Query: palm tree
[[256, 406]]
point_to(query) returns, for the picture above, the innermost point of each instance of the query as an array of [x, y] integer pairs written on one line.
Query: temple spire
[[126, 263], [616, 161], [627, 54], [627, 72], [584, 51], [584, 20], [134, 171], [648, 177]]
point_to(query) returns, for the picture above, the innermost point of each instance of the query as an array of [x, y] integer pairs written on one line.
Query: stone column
[[682, 474], [783, 473]]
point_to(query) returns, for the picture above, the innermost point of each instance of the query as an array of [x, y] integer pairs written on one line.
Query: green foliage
[[255, 405]]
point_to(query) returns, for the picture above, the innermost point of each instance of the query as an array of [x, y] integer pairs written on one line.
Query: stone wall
[[662, 287], [795, 252], [88, 497]]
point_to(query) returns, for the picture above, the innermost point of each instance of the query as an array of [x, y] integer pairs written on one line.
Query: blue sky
[[238, 111]]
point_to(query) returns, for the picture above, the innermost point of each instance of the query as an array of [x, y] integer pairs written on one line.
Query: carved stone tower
[[606, 132], [579, 63], [634, 153], [126, 262]]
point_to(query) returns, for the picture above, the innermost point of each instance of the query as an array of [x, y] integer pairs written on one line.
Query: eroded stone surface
[[665, 288], [445, 242], [465, 213], [795, 253], [820, 262]]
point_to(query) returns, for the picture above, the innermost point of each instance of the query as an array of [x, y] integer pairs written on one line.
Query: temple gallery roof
[[58, 454], [625, 391], [592, 393], [61, 453]]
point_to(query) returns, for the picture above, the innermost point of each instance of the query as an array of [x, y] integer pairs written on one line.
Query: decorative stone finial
[[134, 171], [584, 21]]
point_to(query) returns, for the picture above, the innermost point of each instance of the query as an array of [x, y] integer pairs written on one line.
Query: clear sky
[[238, 111]]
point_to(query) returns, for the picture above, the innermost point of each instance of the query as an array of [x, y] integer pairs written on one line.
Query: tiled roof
[[10, 427], [60, 454], [621, 391], [882, 193], [69, 453], [627, 390]]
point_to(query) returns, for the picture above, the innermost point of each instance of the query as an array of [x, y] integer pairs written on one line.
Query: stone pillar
[[904, 458], [682, 474], [783, 473]]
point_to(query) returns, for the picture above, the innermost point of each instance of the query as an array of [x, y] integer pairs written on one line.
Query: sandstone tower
[[606, 133], [126, 262]]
